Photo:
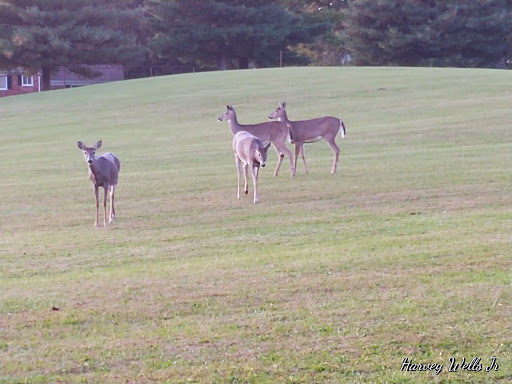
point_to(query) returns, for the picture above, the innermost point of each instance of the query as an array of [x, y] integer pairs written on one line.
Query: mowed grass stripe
[[404, 252]]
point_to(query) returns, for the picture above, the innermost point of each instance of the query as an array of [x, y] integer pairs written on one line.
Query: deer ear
[[267, 147], [283, 104], [229, 107], [80, 145], [98, 144]]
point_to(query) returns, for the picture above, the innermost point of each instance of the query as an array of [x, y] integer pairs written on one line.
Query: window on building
[[27, 81], [3, 83]]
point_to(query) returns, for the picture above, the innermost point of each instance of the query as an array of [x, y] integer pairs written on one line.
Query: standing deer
[[310, 131], [249, 151], [103, 172], [274, 132]]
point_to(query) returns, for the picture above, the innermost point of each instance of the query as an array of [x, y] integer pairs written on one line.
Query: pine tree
[[474, 33], [329, 48], [212, 33], [429, 32], [46, 34]]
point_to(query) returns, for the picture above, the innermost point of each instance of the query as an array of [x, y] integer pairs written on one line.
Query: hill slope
[[404, 252]]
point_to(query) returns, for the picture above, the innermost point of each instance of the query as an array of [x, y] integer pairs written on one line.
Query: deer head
[[260, 155], [279, 113], [89, 152], [228, 115]]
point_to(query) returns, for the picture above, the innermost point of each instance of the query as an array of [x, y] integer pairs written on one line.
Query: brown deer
[[249, 152], [103, 172], [274, 132], [310, 131]]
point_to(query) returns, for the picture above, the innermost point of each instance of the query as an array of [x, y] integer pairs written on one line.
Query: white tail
[[103, 172], [309, 131], [249, 152], [269, 132]]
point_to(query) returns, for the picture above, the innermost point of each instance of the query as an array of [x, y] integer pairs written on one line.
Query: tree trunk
[[46, 79], [222, 63]]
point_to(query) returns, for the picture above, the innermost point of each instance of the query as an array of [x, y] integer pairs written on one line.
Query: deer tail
[[290, 137], [342, 129]]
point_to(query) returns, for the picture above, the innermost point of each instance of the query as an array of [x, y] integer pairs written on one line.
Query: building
[[17, 82], [64, 78]]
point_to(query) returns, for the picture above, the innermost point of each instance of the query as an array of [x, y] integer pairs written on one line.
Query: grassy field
[[403, 253]]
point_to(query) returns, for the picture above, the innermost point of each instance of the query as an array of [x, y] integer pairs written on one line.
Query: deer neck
[[93, 172], [234, 125], [284, 117]]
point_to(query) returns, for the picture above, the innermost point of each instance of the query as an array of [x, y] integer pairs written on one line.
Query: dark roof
[[64, 77], [17, 71]]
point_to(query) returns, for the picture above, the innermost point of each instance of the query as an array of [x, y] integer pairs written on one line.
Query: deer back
[[246, 145], [104, 170], [268, 132], [315, 129]]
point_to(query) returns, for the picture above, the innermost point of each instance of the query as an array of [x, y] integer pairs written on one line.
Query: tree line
[[150, 37]]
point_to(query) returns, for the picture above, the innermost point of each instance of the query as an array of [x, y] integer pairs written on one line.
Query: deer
[[310, 131], [249, 152], [103, 172], [274, 132]]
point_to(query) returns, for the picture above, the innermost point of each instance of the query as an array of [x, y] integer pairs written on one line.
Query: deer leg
[[299, 148], [280, 156], [238, 174], [112, 208], [96, 193], [105, 192], [246, 176], [336, 150], [292, 166], [303, 154], [282, 151], [255, 182]]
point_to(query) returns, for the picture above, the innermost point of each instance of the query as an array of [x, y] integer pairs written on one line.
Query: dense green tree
[[429, 32], [329, 48], [213, 33], [46, 34]]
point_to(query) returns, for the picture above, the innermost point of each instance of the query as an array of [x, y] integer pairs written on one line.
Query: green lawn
[[405, 252]]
